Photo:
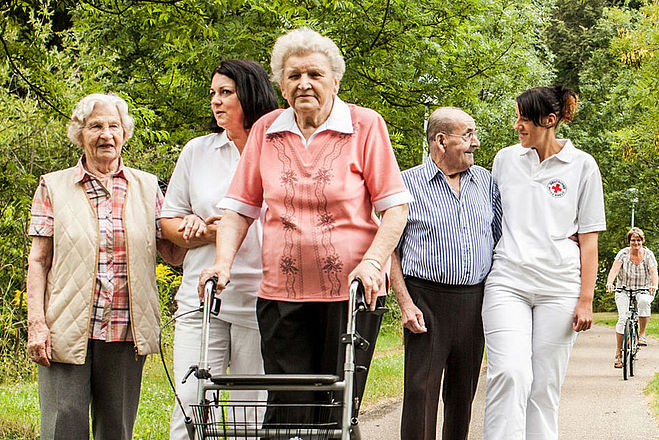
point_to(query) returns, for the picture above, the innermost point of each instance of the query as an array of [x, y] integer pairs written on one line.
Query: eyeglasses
[[467, 137]]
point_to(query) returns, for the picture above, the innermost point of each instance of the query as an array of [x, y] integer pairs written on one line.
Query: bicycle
[[630, 345]]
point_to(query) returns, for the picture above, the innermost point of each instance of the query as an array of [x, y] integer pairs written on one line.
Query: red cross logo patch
[[557, 188]]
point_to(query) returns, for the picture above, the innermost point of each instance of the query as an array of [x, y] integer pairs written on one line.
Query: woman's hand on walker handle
[[208, 273], [582, 319], [371, 278]]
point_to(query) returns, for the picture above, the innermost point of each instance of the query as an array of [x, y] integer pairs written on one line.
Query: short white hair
[[85, 107], [304, 41]]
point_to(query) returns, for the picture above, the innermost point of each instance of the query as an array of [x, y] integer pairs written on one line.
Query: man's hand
[[412, 318]]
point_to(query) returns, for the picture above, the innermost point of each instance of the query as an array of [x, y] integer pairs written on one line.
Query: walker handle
[[359, 296], [209, 295]]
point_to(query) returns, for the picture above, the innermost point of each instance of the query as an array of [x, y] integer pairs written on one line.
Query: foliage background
[[404, 58]]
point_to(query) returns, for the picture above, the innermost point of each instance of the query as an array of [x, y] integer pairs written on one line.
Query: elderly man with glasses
[[437, 274]]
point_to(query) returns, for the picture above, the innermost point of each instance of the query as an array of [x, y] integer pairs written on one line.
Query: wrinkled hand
[[412, 318], [209, 272], [371, 278], [609, 287], [582, 319], [192, 226], [38, 343]]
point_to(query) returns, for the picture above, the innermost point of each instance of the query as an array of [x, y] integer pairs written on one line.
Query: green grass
[[610, 319], [19, 402], [385, 377], [156, 402], [19, 418], [652, 390]]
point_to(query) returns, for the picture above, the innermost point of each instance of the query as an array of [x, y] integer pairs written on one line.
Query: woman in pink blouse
[[323, 168]]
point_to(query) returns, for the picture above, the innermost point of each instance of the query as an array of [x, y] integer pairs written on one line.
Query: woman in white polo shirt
[[240, 93], [540, 290]]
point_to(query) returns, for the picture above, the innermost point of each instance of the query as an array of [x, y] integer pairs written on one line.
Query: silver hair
[[442, 120], [85, 107], [303, 41]]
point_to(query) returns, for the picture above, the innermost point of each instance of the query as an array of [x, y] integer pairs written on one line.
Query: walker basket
[[228, 419]]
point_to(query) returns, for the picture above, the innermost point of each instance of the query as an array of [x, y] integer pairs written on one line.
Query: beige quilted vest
[[71, 279]]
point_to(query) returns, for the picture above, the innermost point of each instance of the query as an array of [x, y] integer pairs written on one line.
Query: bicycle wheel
[[633, 348], [626, 349]]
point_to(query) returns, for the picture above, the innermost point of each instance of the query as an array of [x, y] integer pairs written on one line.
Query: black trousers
[[304, 338], [452, 347]]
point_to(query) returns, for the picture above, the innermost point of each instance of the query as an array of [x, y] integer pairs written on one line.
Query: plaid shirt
[[110, 320]]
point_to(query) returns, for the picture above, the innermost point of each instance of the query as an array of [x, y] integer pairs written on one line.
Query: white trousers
[[231, 346], [622, 303], [528, 337]]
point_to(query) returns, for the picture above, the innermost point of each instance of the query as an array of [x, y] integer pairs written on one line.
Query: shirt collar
[[221, 140], [567, 152], [431, 170], [339, 120], [565, 155], [81, 171]]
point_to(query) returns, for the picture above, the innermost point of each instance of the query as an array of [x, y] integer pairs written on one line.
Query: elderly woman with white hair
[[93, 310], [323, 167]]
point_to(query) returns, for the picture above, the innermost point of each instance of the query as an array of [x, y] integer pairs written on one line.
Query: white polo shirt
[[200, 180], [543, 205]]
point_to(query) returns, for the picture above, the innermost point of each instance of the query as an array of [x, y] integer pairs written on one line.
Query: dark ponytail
[[540, 102]]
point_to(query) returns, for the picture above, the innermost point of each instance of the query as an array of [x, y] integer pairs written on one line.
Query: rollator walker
[[216, 416]]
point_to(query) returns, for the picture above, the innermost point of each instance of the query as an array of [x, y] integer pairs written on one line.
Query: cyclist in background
[[639, 272]]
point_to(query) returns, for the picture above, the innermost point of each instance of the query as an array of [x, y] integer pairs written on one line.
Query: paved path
[[595, 404]]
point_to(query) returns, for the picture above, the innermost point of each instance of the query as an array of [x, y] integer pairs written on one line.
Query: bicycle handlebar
[[631, 291]]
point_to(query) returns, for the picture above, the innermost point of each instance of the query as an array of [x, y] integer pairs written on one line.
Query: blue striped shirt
[[449, 239]]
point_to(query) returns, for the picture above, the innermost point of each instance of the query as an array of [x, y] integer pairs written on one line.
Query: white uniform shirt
[[201, 178], [543, 205]]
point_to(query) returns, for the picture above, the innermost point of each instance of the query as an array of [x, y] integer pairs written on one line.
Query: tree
[[619, 123], [404, 58]]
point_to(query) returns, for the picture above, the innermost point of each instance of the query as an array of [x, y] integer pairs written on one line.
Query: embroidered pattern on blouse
[[311, 181], [289, 262]]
